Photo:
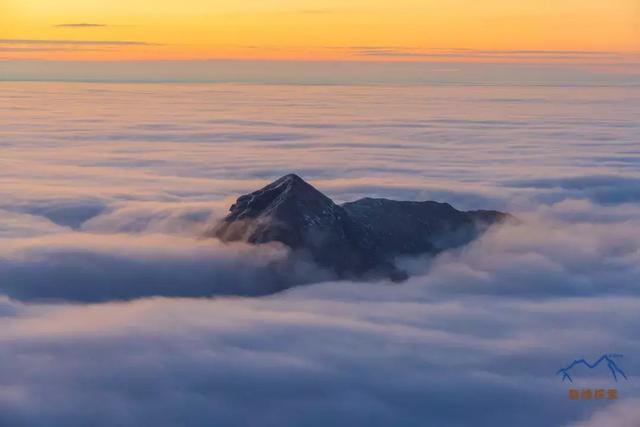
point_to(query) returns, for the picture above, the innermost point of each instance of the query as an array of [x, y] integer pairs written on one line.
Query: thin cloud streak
[[316, 11], [47, 49], [464, 53], [80, 25], [76, 42]]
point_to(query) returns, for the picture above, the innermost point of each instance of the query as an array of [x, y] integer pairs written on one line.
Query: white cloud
[[626, 413], [475, 336]]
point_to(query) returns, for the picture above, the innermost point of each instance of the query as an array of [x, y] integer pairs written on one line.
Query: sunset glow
[[385, 30], [305, 213]]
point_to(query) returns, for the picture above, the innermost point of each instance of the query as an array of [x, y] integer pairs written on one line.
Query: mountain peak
[[355, 239], [288, 210], [291, 178], [287, 182]]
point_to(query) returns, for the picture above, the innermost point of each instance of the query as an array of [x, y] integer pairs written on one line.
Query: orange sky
[[387, 30]]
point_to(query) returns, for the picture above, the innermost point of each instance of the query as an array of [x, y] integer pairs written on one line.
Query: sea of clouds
[[114, 310]]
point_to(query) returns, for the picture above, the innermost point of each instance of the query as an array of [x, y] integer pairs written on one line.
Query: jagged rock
[[357, 239]]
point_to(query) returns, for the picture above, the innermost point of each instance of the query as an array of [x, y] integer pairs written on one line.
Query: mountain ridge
[[356, 239]]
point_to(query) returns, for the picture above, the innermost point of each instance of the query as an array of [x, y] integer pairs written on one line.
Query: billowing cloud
[[145, 251], [113, 310], [98, 267], [305, 359], [623, 414]]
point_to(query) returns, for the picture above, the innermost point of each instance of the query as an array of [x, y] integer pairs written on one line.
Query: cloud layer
[[114, 312], [447, 70], [307, 359]]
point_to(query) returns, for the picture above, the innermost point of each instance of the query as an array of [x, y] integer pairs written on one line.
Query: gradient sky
[[410, 30]]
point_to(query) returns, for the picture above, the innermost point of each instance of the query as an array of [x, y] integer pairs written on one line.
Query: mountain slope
[[356, 239]]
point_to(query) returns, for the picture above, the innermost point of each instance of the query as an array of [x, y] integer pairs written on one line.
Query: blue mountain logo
[[608, 358]]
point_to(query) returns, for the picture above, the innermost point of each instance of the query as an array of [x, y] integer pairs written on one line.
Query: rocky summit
[[357, 239]]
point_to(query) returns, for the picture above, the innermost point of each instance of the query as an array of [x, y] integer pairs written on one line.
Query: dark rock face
[[357, 239]]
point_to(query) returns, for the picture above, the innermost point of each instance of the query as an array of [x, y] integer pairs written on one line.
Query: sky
[[383, 30], [114, 310]]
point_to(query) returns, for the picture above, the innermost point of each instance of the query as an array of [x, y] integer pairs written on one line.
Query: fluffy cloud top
[[113, 311]]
